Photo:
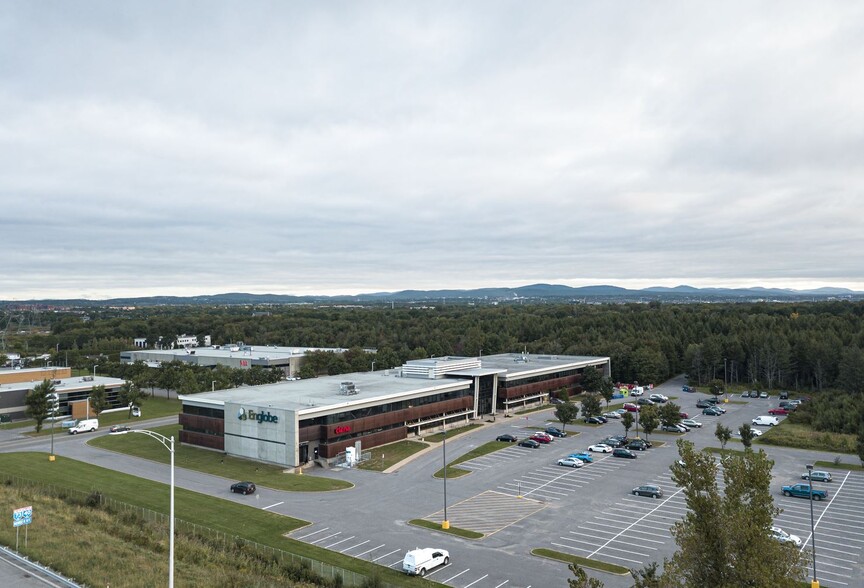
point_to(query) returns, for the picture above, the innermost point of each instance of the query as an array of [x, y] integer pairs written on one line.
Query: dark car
[[243, 488], [507, 438], [712, 411], [555, 432], [784, 395], [613, 442], [594, 421], [648, 490], [554, 400], [638, 445], [119, 429], [645, 402], [529, 443], [703, 404], [621, 452]]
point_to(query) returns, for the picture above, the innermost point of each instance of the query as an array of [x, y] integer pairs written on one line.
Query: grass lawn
[[726, 451], [212, 462], [788, 434], [151, 408], [224, 516], [389, 455], [452, 530], [581, 561], [485, 449], [841, 466], [533, 409], [439, 437]]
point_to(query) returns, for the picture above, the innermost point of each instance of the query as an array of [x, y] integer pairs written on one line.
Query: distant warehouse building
[[240, 356], [290, 423], [72, 393]]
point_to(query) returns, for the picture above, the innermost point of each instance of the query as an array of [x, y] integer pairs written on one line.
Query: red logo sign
[[342, 429], [244, 363]]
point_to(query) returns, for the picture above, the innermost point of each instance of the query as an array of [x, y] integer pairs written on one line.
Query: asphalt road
[[522, 500]]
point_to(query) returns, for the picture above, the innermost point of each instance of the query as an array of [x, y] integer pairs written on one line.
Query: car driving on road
[[506, 438], [243, 488]]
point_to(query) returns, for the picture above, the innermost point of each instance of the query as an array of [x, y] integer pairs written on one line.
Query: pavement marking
[[313, 533], [488, 512], [355, 546], [822, 514], [385, 555], [475, 581], [635, 523], [332, 545], [452, 577], [502, 583], [272, 505], [325, 538]]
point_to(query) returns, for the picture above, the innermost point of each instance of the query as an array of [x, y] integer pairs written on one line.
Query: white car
[[571, 462], [419, 561], [636, 392], [691, 423], [601, 448], [659, 398], [784, 537], [612, 415]]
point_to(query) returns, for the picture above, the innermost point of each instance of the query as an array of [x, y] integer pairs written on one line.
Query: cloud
[[340, 148]]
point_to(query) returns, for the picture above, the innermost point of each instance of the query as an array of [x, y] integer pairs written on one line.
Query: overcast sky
[[187, 148]]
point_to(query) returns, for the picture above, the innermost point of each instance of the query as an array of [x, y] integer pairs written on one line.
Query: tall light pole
[[213, 386], [445, 524], [815, 582], [168, 443], [373, 366], [94, 371]]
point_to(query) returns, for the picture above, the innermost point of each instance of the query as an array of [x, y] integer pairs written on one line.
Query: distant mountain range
[[532, 293]]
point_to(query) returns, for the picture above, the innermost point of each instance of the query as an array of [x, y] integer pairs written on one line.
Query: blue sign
[[22, 516]]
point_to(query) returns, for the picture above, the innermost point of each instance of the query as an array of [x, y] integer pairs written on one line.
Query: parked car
[[795, 402], [419, 561], [625, 453], [784, 537], [612, 442], [555, 432], [119, 429], [766, 421], [702, 403], [683, 415], [817, 476], [594, 420], [778, 411], [529, 443], [686, 388], [787, 404], [803, 491], [636, 392], [136, 411], [600, 448], [674, 428], [555, 400], [629, 407], [784, 395], [582, 456], [638, 445], [645, 402], [612, 415], [691, 423], [713, 400], [658, 398], [648, 490], [508, 438], [571, 462], [763, 395], [243, 488], [711, 411], [541, 437]]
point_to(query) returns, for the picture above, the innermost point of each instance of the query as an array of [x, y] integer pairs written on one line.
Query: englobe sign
[[247, 414]]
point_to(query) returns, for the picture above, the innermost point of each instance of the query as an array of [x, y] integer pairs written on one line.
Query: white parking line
[[822, 514], [385, 555], [332, 545], [502, 583], [456, 576], [313, 533], [634, 523], [272, 505], [325, 538], [371, 550], [475, 581], [355, 546]]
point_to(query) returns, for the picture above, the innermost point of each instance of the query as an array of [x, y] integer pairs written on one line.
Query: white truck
[[419, 561], [84, 426]]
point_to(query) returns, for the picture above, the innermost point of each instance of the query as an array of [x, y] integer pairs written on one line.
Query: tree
[[591, 405], [591, 380], [647, 577], [851, 370], [859, 445], [670, 414], [566, 413], [607, 390], [38, 402], [129, 395], [724, 539], [627, 421], [98, 399], [717, 387], [648, 419], [581, 579], [747, 435], [723, 435]]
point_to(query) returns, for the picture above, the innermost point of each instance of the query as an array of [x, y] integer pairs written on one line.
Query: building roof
[[65, 385]]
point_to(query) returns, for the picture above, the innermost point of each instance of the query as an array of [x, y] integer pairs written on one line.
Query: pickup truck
[[803, 491]]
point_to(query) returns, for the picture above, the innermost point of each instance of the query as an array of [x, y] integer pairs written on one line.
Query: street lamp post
[[168, 443], [94, 371], [445, 524], [213, 386], [373, 366], [815, 582]]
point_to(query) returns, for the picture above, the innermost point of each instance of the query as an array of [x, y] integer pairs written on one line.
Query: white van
[[84, 426], [765, 420], [419, 561]]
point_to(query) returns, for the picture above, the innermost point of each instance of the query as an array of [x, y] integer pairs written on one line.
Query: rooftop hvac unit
[[87, 378], [347, 388]]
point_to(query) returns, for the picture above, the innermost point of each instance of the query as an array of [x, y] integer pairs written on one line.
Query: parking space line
[[475, 581], [313, 533], [385, 555], [272, 505], [634, 523], [332, 545], [822, 514], [450, 578], [325, 538], [355, 546], [502, 583]]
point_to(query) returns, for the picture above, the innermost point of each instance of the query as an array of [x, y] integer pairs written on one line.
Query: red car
[[776, 411], [541, 438], [630, 407], [683, 415]]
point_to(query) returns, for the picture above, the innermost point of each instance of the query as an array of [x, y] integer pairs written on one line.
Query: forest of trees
[[800, 346]]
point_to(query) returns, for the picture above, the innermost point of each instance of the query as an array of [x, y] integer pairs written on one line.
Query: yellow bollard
[[446, 525], [50, 458]]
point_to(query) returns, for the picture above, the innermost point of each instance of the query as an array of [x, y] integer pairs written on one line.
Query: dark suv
[[621, 452], [638, 445]]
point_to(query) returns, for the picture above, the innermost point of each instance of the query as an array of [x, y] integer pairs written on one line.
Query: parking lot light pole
[[445, 524], [815, 582], [168, 443]]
